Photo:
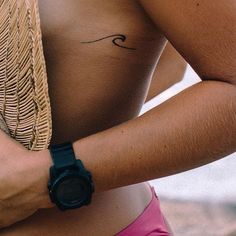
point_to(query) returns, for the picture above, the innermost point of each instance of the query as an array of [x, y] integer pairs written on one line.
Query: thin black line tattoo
[[116, 37]]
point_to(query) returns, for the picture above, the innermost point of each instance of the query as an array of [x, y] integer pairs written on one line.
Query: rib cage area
[[24, 99]]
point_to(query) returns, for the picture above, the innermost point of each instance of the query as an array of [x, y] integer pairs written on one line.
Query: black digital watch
[[70, 185]]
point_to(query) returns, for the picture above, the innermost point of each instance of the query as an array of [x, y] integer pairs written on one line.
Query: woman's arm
[[193, 128], [169, 70]]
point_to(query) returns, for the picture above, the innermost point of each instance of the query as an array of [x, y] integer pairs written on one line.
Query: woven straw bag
[[25, 112]]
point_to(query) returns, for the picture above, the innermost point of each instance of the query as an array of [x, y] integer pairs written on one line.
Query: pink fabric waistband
[[150, 223]]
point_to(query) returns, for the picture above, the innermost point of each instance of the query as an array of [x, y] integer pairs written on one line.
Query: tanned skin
[[170, 69], [97, 108]]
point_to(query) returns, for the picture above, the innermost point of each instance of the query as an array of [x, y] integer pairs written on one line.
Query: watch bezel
[[67, 174]]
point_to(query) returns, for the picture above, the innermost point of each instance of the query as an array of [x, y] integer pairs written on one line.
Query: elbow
[[230, 79], [222, 70]]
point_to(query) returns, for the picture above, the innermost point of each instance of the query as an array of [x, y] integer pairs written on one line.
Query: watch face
[[71, 191]]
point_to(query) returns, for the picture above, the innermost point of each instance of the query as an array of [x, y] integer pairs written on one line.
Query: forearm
[[193, 128]]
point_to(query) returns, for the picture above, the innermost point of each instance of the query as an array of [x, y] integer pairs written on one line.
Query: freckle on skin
[[198, 4]]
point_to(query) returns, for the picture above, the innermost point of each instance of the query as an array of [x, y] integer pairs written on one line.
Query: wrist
[[83, 151], [42, 163], [71, 185]]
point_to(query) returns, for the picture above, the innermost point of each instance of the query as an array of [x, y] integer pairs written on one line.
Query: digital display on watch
[[71, 191]]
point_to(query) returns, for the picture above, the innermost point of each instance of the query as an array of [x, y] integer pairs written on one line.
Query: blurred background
[[201, 201]]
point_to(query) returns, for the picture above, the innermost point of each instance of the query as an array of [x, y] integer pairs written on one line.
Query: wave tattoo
[[115, 41]]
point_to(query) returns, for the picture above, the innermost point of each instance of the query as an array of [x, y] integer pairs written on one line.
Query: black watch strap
[[63, 156]]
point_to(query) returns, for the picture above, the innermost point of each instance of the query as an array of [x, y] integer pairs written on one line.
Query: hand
[[20, 188]]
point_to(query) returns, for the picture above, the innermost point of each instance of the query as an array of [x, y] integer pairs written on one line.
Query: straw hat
[[25, 112]]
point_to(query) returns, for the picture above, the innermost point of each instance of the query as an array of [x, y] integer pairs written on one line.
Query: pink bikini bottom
[[150, 223]]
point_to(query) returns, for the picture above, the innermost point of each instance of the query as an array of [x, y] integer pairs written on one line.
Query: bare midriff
[[100, 56]]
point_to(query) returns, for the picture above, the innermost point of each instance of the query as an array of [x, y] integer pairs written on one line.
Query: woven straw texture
[[25, 112]]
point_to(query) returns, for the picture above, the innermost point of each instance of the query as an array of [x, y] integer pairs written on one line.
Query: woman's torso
[[94, 86]]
